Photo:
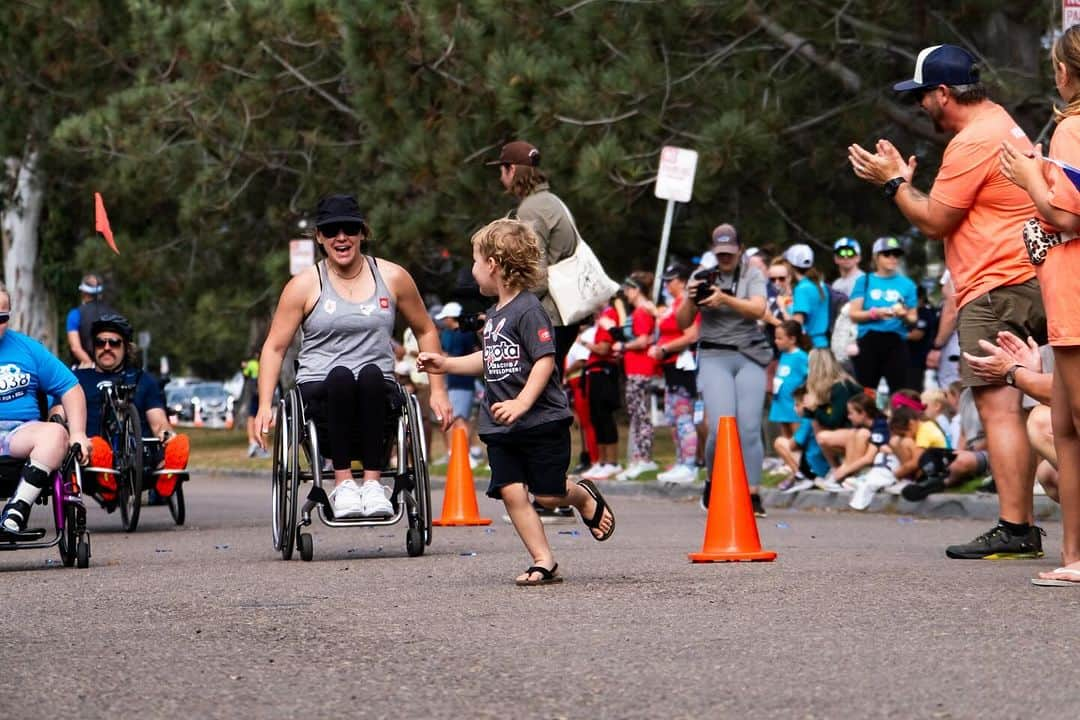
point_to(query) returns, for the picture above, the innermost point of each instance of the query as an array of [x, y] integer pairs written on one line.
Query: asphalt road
[[862, 616]]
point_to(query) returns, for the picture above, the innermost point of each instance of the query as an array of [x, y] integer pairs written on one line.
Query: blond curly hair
[[515, 247]]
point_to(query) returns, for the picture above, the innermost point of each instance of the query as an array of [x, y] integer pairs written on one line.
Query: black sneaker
[[999, 544], [917, 491], [759, 507], [554, 517], [16, 513]]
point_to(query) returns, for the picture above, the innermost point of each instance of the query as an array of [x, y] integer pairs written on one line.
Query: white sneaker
[[678, 475], [593, 472], [828, 484], [799, 485], [347, 500], [897, 487], [647, 466], [630, 473], [607, 471], [375, 499]]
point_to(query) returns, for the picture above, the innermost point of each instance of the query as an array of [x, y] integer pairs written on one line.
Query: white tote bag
[[578, 284]]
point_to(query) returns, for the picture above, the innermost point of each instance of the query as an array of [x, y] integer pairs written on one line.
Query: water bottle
[[699, 411], [882, 395], [930, 379]]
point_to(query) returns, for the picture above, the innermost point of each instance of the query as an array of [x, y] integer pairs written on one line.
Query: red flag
[[101, 222]]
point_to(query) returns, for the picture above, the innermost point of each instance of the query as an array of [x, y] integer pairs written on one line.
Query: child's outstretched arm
[[508, 411], [439, 364]]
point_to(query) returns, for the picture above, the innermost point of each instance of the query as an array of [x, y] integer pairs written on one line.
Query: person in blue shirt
[[810, 299], [111, 344], [884, 304], [461, 388], [790, 374], [27, 371], [801, 453], [79, 319]]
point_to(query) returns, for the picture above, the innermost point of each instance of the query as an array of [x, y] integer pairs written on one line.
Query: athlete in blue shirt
[[810, 299], [27, 371]]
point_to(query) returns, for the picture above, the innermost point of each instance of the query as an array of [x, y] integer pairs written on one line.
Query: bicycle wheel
[[129, 464], [176, 504], [286, 477]]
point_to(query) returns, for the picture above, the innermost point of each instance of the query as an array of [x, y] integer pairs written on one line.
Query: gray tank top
[[342, 332]]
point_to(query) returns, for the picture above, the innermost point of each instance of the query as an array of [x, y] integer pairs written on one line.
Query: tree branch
[[598, 121], [334, 102]]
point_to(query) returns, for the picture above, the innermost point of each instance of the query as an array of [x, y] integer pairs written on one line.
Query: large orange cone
[[730, 531], [459, 501]]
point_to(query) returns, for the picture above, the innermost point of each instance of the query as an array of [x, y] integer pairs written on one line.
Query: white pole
[[665, 235]]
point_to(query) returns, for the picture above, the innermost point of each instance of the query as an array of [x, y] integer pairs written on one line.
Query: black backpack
[[88, 313]]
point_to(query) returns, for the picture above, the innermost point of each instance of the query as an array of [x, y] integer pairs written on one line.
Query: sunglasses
[[846, 253], [4, 317], [892, 253], [331, 230], [108, 342], [778, 278]]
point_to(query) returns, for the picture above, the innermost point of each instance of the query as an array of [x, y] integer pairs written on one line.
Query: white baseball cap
[[800, 256], [449, 310]]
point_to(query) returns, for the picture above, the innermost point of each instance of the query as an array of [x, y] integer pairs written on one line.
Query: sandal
[[1051, 582], [547, 577], [593, 523]]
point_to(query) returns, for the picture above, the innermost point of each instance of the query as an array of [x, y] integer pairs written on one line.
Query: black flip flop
[[593, 523], [547, 577]]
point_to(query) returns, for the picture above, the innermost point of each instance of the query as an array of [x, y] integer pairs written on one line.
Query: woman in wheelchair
[[345, 307], [27, 368], [112, 351]]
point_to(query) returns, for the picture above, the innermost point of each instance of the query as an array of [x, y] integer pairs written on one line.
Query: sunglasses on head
[[331, 230], [892, 253], [4, 317], [846, 253], [110, 342]]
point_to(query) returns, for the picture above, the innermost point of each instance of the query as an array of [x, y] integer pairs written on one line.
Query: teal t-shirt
[[812, 300], [791, 372], [884, 292]]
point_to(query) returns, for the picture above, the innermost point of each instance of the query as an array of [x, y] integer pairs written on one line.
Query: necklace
[[348, 277]]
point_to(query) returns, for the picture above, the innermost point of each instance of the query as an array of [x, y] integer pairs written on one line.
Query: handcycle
[[132, 454], [69, 513], [297, 459]]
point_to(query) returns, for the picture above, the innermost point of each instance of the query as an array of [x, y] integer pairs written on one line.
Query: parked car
[[213, 401], [178, 403]]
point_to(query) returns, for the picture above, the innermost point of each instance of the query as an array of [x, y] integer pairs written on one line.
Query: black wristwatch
[[892, 186], [1010, 375]]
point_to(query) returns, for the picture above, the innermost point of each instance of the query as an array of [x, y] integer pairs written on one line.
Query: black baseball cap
[[337, 208], [676, 271], [941, 65], [517, 152]]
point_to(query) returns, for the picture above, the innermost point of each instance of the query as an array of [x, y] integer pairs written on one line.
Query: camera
[[471, 322], [708, 278]]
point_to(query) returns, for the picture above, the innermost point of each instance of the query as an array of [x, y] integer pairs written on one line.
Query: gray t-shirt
[[515, 336], [724, 326], [846, 285]]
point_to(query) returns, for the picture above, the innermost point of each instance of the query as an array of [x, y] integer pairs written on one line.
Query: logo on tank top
[[384, 303], [330, 306], [502, 356]]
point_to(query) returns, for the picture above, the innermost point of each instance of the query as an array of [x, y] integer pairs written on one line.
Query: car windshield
[[210, 391], [176, 395]]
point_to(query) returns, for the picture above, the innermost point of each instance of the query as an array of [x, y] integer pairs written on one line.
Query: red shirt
[[638, 362], [603, 336], [670, 330]]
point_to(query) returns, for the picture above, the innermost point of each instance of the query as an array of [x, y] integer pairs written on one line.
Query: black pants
[[882, 354], [354, 413], [603, 394], [565, 335]]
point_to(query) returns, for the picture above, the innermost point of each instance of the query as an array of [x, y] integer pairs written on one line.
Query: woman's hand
[[1017, 167], [442, 409], [264, 420]]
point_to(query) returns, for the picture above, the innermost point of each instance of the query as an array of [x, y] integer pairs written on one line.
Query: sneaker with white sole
[[607, 471], [828, 484], [16, 513], [347, 500], [897, 487], [801, 483], [678, 475], [647, 466], [592, 473], [376, 499]]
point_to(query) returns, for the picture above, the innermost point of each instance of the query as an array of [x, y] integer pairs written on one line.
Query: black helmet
[[114, 322]]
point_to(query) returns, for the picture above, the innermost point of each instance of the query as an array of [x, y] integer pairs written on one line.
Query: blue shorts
[[462, 401], [8, 428], [537, 456]]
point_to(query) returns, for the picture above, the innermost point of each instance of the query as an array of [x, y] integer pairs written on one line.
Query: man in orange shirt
[[979, 215]]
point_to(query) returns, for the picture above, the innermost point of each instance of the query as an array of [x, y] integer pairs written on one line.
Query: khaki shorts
[[1016, 308]]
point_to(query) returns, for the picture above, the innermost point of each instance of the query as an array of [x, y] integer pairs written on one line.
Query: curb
[[976, 506]]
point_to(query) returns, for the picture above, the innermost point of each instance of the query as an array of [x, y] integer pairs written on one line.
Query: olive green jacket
[[558, 237]]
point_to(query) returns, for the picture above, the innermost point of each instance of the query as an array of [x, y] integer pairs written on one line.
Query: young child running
[[524, 419]]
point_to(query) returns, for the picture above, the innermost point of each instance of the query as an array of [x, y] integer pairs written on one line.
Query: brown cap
[[725, 239], [518, 152]]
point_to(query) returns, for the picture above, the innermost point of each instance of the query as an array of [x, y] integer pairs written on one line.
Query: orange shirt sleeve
[[964, 168], [1064, 146]]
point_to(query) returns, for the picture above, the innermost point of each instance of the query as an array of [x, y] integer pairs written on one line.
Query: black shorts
[[538, 456]]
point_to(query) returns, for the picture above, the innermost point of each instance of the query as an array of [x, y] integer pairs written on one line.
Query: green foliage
[[212, 128]]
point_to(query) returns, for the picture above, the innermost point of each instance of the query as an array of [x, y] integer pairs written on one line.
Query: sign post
[[674, 183], [1070, 13], [301, 255]]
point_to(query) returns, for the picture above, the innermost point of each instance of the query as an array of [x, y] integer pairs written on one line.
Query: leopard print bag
[[1038, 242]]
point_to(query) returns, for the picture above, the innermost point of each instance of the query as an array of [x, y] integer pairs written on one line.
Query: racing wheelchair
[[132, 455], [297, 460], [69, 513]]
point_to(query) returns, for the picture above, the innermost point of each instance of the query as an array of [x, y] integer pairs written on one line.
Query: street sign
[[1070, 13], [301, 255], [675, 177]]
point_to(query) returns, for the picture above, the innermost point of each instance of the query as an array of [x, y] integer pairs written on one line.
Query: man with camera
[[732, 351]]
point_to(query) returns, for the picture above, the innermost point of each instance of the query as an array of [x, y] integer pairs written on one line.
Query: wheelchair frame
[[69, 517], [123, 429], [296, 432]]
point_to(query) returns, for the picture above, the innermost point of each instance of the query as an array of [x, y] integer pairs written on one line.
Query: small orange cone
[[459, 502], [730, 531], [197, 420], [229, 420]]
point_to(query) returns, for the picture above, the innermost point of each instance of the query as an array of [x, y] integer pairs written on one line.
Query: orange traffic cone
[[730, 531], [459, 502], [229, 420], [197, 420]]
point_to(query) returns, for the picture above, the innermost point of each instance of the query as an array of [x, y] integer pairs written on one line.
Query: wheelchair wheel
[[83, 551], [418, 466], [69, 538], [286, 475], [414, 542], [307, 547], [176, 504], [129, 463]]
